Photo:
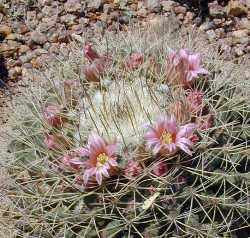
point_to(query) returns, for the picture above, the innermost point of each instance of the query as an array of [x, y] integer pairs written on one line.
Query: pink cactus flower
[[98, 63], [135, 60], [52, 116], [166, 137], [132, 169], [90, 53], [159, 168], [101, 162], [97, 68], [195, 101], [187, 64], [194, 138], [50, 141], [91, 73]]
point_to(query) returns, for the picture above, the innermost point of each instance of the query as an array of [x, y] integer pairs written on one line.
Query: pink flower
[[165, 136], [132, 169], [98, 63], [187, 64], [91, 73], [159, 168], [97, 68], [50, 141], [101, 162], [90, 53], [135, 60], [194, 138], [52, 115]]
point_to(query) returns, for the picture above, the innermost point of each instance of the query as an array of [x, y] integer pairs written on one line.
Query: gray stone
[[27, 57], [43, 27], [142, 12], [3, 9], [46, 46], [94, 5], [31, 19], [73, 6], [207, 26], [27, 65], [49, 11], [154, 5], [180, 10], [240, 37], [244, 23], [23, 49], [40, 51], [124, 19], [83, 21], [248, 4], [211, 35], [68, 19], [239, 51], [5, 30], [121, 3], [15, 72], [38, 38], [108, 8], [168, 5], [220, 33], [217, 10]]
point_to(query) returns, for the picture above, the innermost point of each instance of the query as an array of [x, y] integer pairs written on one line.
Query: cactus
[[148, 142]]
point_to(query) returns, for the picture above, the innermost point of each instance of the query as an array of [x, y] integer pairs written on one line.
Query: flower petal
[[87, 174], [111, 149], [82, 151], [104, 171], [112, 162], [98, 176], [186, 130]]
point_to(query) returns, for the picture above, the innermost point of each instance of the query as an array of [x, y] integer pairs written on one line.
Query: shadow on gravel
[[200, 7], [3, 72]]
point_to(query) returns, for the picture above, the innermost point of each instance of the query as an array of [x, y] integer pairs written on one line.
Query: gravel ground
[[32, 29]]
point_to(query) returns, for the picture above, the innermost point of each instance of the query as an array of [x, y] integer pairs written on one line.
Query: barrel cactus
[[141, 134]]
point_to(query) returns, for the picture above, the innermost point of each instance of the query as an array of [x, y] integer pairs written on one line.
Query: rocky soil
[[32, 29]]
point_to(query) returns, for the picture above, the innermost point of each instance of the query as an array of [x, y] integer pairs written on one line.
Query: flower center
[[166, 138], [101, 159]]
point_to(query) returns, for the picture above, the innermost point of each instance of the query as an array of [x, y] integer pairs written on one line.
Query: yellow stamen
[[166, 138], [101, 159]]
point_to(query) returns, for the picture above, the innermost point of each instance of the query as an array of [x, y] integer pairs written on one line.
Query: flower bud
[[135, 60], [52, 116], [90, 53], [132, 169], [159, 168]]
